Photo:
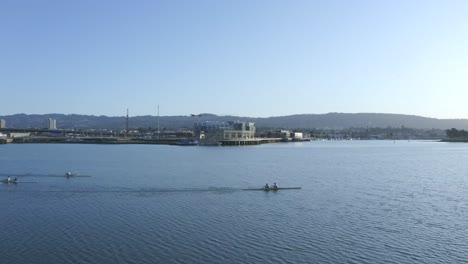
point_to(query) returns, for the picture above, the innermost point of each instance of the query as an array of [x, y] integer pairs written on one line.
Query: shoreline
[[455, 140], [132, 141]]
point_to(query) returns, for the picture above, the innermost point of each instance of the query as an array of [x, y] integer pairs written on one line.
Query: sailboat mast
[[126, 126]]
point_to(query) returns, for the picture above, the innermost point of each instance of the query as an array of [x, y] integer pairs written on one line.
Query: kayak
[[272, 189], [15, 182], [65, 175], [6, 182]]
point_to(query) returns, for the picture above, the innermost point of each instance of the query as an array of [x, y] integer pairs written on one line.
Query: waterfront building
[[2, 123], [240, 130], [285, 135], [297, 135], [214, 131]]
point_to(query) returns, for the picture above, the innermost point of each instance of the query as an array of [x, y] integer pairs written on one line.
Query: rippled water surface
[[360, 202]]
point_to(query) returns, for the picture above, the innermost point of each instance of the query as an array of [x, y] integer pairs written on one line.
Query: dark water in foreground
[[361, 202]]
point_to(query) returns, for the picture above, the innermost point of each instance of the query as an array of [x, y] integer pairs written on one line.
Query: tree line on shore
[[455, 133]]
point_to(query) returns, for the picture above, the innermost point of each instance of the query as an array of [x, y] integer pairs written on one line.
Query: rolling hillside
[[302, 121]]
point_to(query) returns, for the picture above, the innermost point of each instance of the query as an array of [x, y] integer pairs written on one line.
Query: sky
[[255, 58]]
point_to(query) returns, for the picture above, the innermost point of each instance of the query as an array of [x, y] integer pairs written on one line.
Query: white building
[[240, 130], [2, 123], [52, 123], [212, 130], [297, 135]]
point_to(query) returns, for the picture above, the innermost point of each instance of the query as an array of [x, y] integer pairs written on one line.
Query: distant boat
[[15, 182], [11, 181], [187, 142], [272, 189], [68, 175]]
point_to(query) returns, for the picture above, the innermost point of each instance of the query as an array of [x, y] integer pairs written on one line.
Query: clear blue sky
[[237, 57]]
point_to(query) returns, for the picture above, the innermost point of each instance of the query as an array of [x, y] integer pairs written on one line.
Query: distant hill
[[303, 121]]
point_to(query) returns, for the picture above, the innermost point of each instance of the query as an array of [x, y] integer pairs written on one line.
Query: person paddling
[[8, 179], [275, 186], [15, 179], [266, 186]]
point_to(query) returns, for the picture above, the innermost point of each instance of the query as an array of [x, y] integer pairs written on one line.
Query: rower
[[8, 179], [275, 186], [68, 173], [15, 179], [266, 186]]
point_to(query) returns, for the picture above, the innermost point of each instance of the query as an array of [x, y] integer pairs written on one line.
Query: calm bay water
[[361, 202]]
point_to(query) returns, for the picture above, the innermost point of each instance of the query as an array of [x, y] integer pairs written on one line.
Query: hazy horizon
[[247, 58]]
